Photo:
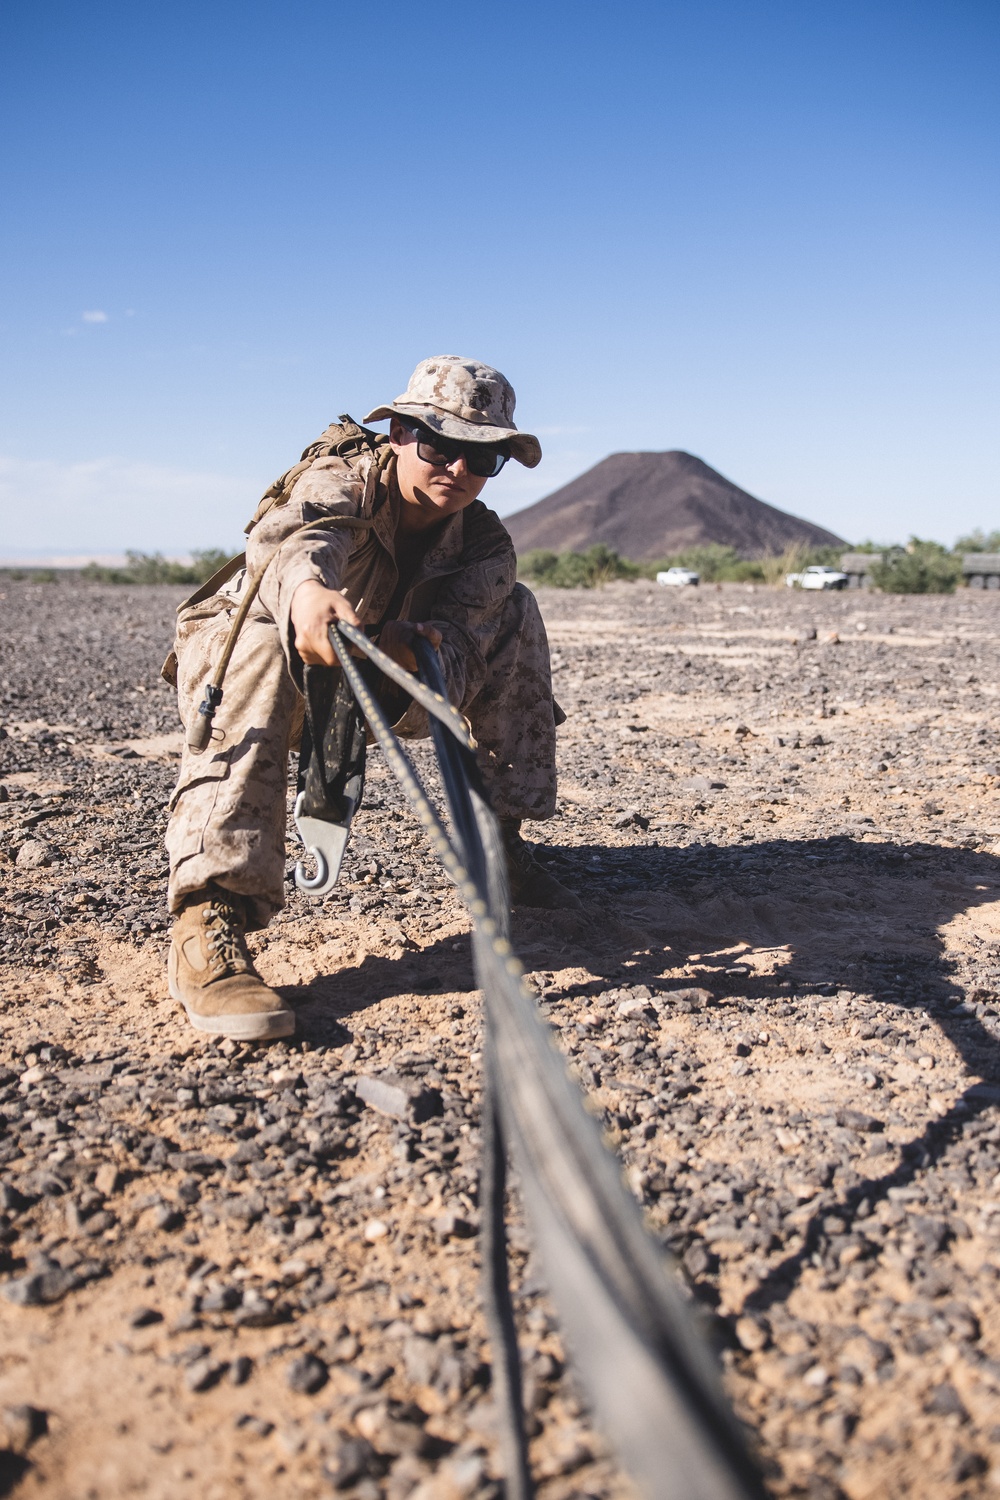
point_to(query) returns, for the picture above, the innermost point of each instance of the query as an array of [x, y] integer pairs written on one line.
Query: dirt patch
[[224, 1273]]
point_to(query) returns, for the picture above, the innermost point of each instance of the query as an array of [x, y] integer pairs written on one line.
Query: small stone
[[256, 1426], [696, 1259], [352, 1461], [966, 1465], [306, 1229], [307, 1374], [240, 1370], [22, 1426], [451, 1225], [944, 1401], [145, 1317], [751, 1334], [40, 1287], [168, 1219], [204, 1373], [692, 995], [376, 1229], [221, 1299], [402, 1098], [633, 1008], [35, 855], [108, 1180]]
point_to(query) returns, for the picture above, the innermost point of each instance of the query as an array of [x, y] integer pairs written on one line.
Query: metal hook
[[325, 843]]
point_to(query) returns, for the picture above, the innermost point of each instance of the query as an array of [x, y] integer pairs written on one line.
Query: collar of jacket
[[442, 555]]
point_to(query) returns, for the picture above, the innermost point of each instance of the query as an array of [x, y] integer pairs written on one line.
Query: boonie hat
[[463, 400]]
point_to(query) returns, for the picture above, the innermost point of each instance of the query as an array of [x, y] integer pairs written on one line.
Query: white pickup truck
[[817, 577], [678, 577]]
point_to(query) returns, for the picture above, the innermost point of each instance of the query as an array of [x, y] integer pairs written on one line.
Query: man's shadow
[[867, 916], [864, 916]]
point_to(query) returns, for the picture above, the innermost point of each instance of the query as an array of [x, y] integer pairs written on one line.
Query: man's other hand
[[397, 637], [314, 610]]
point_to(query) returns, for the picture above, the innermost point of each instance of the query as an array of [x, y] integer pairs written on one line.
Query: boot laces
[[225, 933]]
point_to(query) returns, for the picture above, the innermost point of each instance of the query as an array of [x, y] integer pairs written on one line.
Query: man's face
[[430, 493]]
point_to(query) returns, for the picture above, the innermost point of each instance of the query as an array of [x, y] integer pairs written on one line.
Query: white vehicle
[[817, 577], [678, 577]]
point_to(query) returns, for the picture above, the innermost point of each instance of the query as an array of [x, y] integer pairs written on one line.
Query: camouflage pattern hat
[[463, 400]]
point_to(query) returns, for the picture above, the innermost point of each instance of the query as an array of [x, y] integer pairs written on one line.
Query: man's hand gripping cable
[[649, 1376]]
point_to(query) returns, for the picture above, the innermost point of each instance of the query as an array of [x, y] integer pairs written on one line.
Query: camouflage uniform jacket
[[460, 584]]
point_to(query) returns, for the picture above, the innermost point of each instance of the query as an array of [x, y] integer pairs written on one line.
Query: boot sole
[[248, 1028]]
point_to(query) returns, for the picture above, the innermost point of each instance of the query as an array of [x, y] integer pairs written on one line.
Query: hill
[[652, 505]]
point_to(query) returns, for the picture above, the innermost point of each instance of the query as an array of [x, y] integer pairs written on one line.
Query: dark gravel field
[[224, 1273]]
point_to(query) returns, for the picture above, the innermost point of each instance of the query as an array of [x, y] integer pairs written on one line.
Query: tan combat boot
[[211, 973], [530, 885]]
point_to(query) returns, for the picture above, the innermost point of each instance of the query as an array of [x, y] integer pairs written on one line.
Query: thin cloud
[[111, 504], [95, 315]]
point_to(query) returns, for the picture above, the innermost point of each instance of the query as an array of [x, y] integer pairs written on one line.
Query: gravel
[[783, 999]]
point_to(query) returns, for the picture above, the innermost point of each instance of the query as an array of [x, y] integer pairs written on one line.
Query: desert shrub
[[153, 567], [978, 541], [714, 562], [575, 570], [923, 568]]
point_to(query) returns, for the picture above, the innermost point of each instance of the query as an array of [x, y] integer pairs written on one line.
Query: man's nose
[[459, 466]]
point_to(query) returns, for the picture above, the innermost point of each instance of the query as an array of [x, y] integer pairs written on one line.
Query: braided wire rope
[[650, 1378]]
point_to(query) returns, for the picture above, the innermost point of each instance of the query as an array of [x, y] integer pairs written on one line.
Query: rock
[[35, 855], [194, 1161], [354, 1459], [452, 1225], [697, 1259], [221, 1299], [403, 1098], [204, 1373], [386, 1433], [168, 1219], [40, 1287], [145, 1317], [458, 1478], [108, 1180], [256, 1426], [944, 1401], [966, 1465], [22, 1426], [307, 1374], [240, 1370], [752, 1334], [856, 1119], [376, 1229], [258, 1311], [692, 995]]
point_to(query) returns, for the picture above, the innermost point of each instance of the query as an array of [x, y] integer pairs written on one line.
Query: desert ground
[[223, 1274]]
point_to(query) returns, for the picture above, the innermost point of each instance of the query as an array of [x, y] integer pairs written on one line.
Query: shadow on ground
[[864, 916]]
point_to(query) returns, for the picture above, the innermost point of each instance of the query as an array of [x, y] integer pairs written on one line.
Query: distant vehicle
[[817, 577], [678, 577]]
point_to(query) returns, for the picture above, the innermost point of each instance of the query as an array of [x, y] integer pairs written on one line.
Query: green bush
[[575, 570], [923, 568], [978, 541], [153, 567]]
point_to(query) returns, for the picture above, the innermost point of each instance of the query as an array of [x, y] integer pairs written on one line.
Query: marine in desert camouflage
[[391, 536]]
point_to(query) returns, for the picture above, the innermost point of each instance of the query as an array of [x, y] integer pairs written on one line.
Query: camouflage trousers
[[227, 812]]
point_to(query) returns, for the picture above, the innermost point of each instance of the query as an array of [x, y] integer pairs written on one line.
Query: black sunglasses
[[482, 460]]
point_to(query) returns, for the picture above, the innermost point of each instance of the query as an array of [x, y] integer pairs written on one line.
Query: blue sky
[[762, 232]]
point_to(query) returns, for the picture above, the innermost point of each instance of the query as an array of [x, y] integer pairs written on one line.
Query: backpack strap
[[344, 439]]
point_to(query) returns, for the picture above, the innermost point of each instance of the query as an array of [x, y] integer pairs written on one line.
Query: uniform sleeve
[[300, 547]]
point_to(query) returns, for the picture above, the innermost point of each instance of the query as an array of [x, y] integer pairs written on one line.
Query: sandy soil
[[221, 1274]]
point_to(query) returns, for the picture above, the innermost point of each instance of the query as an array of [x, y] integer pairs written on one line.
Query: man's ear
[[399, 435]]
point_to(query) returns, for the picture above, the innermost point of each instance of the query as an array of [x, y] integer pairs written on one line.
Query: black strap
[[333, 744]]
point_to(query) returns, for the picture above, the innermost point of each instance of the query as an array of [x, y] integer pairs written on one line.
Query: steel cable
[[648, 1374]]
